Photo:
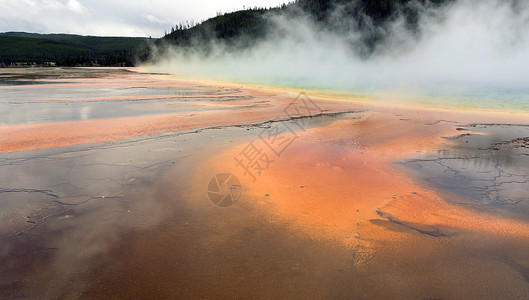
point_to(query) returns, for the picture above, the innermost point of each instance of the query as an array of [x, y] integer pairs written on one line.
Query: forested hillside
[[20, 48], [238, 30], [248, 26]]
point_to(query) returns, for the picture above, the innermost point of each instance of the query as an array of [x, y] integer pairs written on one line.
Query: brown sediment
[[37, 136], [333, 215], [265, 104], [336, 176], [340, 184]]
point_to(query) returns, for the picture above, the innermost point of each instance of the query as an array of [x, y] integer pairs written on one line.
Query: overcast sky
[[112, 17]]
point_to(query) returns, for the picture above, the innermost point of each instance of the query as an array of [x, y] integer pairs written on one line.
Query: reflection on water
[[126, 219], [109, 218], [32, 111], [446, 94], [37, 76], [131, 218], [488, 164], [478, 96], [56, 104], [60, 209]]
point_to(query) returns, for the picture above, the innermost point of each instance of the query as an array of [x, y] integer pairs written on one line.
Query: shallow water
[[451, 95], [63, 208], [71, 215], [56, 104], [42, 111], [131, 218], [488, 164]]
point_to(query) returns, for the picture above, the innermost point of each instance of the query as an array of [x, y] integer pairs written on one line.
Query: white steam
[[467, 45]]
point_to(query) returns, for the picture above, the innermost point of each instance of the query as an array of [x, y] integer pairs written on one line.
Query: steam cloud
[[465, 46]]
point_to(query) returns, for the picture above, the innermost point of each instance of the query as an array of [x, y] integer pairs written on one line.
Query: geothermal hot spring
[[295, 169]]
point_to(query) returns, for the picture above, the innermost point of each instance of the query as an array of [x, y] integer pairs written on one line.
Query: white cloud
[[112, 17], [154, 19], [75, 6]]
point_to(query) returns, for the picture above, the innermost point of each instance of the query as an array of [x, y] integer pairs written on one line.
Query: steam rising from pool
[[469, 53]]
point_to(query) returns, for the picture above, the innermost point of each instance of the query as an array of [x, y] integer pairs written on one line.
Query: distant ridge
[[60, 35], [23, 48]]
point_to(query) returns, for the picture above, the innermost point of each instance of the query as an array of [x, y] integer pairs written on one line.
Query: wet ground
[[335, 215], [70, 215], [487, 164], [63, 210], [27, 106]]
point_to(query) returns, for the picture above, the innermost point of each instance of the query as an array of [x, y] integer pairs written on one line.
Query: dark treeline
[[28, 49], [231, 28], [238, 30], [244, 28], [123, 59]]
